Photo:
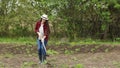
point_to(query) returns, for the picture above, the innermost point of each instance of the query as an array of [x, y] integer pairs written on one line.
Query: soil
[[90, 56]]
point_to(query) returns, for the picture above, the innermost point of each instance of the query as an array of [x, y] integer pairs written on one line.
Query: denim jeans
[[41, 49]]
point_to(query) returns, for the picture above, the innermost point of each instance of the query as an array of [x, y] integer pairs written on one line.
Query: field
[[61, 56], [82, 33]]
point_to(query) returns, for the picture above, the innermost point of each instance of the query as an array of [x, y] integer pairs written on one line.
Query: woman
[[42, 30]]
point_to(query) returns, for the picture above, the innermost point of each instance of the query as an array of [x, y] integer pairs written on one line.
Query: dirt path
[[90, 56]]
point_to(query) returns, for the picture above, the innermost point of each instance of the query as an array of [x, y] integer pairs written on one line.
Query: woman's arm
[[36, 28]]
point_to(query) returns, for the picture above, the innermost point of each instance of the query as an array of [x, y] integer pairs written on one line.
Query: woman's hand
[[43, 38], [39, 36]]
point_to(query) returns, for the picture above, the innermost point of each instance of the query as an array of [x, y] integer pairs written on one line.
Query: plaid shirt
[[45, 28]]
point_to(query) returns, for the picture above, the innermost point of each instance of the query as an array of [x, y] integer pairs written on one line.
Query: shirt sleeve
[[46, 30], [36, 27]]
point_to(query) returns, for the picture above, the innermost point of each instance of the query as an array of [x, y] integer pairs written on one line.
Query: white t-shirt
[[41, 30]]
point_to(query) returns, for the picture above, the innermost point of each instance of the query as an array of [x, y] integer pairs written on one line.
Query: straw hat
[[44, 16]]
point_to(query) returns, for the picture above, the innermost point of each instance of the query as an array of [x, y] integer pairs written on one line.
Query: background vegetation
[[71, 19]]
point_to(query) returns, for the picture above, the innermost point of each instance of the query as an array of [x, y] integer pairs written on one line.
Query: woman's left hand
[[42, 40]]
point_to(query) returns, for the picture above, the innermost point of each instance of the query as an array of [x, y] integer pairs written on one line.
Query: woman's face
[[43, 20]]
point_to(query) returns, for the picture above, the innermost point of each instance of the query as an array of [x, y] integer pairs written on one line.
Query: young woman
[[42, 30]]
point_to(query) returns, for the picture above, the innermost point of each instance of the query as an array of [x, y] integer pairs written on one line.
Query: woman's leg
[[45, 42], [39, 49]]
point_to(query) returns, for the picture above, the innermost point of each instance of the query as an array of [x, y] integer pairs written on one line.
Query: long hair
[[47, 24]]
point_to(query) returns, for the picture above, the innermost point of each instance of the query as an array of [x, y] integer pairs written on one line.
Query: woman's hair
[[47, 24], [46, 21]]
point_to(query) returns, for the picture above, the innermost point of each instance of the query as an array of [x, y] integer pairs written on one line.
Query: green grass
[[117, 64], [31, 40], [52, 52], [79, 66], [28, 64], [83, 42], [20, 40], [91, 41]]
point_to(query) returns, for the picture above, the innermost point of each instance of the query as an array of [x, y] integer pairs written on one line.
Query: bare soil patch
[[90, 56]]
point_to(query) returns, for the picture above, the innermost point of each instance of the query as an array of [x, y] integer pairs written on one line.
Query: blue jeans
[[41, 49]]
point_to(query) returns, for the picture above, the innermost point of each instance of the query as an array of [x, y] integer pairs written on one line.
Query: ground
[[60, 56]]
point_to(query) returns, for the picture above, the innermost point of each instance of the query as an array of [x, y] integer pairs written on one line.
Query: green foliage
[[8, 55], [19, 40], [117, 64], [72, 19], [117, 6], [74, 58], [68, 52], [106, 50], [117, 39], [2, 65], [27, 64], [78, 66], [52, 52], [64, 66]]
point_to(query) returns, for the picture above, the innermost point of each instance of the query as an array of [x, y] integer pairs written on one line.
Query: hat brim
[[44, 18]]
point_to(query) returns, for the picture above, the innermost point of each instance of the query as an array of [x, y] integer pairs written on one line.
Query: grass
[[79, 66], [52, 52], [69, 52], [20, 40], [83, 42], [117, 64], [28, 64], [31, 40], [91, 41], [2, 65]]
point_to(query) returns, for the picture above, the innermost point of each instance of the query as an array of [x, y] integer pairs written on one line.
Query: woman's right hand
[[39, 36]]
